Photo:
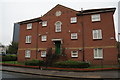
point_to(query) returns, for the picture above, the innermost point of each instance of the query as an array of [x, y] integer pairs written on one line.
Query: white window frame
[[43, 53], [29, 26], [74, 36], [73, 19], [27, 53], [97, 34], [95, 17], [44, 23], [28, 39], [73, 54], [98, 53], [58, 26], [44, 38]]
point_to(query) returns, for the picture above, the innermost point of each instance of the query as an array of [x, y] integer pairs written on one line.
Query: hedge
[[71, 64], [34, 63], [9, 58]]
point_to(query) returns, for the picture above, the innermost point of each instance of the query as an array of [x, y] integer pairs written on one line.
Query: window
[[74, 53], [44, 23], [58, 13], [58, 26], [98, 53], [97, 34], [95, 17], [43, 38], [28, 39], [29, 26], [73, 19], [43, 53], [74, 36], [27, 53]]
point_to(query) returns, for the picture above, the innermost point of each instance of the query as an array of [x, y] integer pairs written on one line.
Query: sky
[[12, 11]]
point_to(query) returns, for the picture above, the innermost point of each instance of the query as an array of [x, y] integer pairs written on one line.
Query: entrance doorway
[[57, 47], [57, 43]]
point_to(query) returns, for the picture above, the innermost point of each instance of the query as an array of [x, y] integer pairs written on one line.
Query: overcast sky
[[12, 11]]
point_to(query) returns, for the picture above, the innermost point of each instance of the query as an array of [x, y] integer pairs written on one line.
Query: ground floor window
[[74, 53], [43, 53], [27, 53], [98, 53]]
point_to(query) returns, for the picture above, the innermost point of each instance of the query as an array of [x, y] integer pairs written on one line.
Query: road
[[20, 76]]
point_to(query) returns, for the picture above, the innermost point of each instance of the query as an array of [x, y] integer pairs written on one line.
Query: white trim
[[98, 54], [95, 17], [29, 26], [43, 53], [27, 53], [73, 54]]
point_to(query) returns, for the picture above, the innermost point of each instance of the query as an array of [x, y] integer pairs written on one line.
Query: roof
[[30, 21], [83, 12], [94, 11]]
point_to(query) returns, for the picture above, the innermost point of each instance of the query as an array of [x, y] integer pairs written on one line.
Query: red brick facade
[[84, 44]]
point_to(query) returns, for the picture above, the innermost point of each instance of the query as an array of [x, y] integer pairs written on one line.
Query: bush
[[34, 63], [71, 64], [9, 58]]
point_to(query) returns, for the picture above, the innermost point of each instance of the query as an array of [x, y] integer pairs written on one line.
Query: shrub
[[71, 64], [34, 63], [9, 58]]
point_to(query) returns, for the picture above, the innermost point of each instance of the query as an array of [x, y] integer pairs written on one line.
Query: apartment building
[[86, 35]]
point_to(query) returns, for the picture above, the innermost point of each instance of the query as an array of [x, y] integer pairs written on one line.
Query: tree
[[13, 48]]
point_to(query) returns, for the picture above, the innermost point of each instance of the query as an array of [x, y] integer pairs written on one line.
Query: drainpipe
[[37, 37], [82, 25]]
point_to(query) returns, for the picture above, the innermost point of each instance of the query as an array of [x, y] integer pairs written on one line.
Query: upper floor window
[[44, 23], [29, 26], [43, 53], [74, 36], [43, 38], [95, 17], [28, 39], [27, 53], [97, 34], [74, 53], [73, 19], [58, 26], [98, 53]]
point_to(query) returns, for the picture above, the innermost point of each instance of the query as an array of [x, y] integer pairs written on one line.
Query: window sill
[[43, 41], [29, 29], [95, 21], [98, 58], [27, 43], [96, 39], [27, 57], [74, 57], [73, 22]]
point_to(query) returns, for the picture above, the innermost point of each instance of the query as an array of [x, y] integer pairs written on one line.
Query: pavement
[[63, 74]]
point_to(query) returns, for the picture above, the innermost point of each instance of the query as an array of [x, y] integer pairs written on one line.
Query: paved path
[[64, 74]]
